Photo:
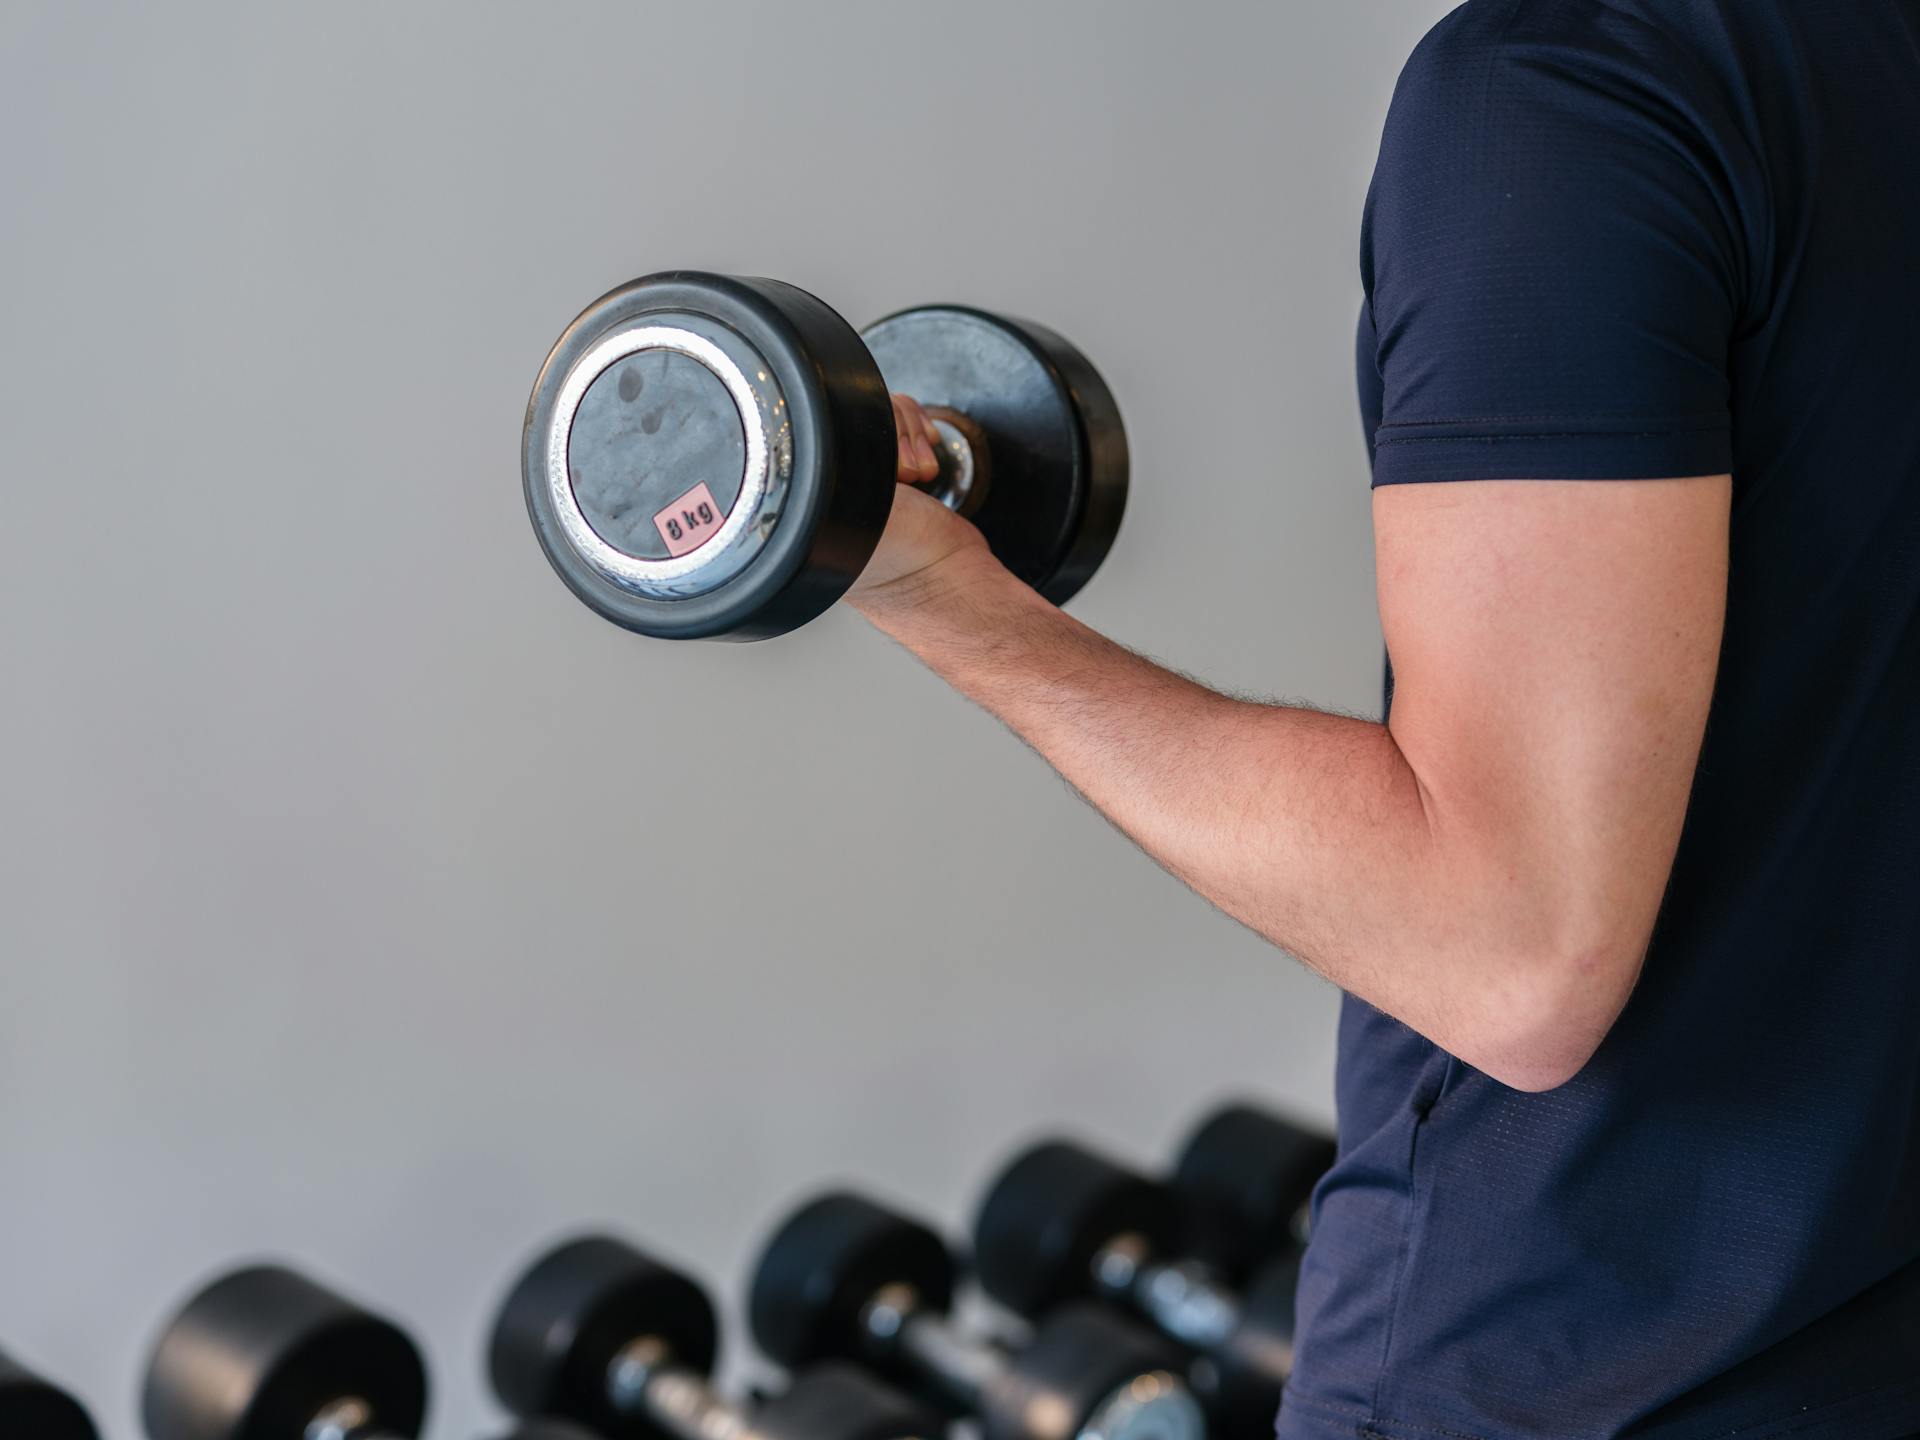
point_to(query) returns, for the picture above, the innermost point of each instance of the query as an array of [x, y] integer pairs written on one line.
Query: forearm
[[1312, 829]]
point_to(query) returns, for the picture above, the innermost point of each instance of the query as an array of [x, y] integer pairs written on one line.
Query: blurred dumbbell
[[604, 1335], [1063, 1223], [715, 455], [844, 1277], [264, 1353], [35, 1409], [1244, 1179]]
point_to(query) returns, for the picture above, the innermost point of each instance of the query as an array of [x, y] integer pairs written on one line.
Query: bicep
[[1554, 646]]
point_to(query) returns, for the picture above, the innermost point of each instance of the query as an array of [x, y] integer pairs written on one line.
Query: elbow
[[1539, 1030]]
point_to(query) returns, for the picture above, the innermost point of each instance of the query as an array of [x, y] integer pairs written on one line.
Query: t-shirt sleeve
[[1552, 271]]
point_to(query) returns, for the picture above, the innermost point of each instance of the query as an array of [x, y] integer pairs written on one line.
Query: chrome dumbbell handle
[[1184, 1299], [348, 1418], [959, 1366], [644, 1379]]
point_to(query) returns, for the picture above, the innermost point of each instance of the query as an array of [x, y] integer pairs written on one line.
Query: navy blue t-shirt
[[1612, 240]]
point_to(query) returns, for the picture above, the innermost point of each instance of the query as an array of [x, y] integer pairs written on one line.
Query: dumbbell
[[265, 1353], [33, 1407], [602, 1334], [1063, 1223], [844, 1277], [715, 456]]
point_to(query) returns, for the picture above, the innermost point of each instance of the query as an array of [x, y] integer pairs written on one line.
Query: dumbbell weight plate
[[1241, 1178], [1091, 1373], [707, 455], [835, 1401], [823, 1265], [30, 1407], [1050, 1212], [260, 1352], [1052, 427], [572, 1313]]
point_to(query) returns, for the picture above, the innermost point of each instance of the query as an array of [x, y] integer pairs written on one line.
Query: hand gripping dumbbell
[[1063, 1223], [604, 1335], [710, 455], [35, 1409], [264, 1353], [844, 1277]]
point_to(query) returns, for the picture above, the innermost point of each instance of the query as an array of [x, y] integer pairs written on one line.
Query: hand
[[923, 537]]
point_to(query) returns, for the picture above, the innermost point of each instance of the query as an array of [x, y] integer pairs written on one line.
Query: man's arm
[[1487, 868]]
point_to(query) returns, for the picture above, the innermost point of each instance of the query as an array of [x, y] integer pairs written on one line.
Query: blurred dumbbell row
[[1122, 1306]]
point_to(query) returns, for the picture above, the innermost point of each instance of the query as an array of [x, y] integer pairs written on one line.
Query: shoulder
[[1515, 52]]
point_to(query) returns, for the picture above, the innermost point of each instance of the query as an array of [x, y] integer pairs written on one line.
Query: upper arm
[[1554, 647], [1556, 260]]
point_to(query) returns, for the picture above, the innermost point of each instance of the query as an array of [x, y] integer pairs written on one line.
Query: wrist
[[970, 572]]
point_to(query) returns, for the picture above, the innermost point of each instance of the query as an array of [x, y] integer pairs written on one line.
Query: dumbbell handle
[[644, 1380], [965, 465], [959, 1367], [348, 1418], [1184, 1299]]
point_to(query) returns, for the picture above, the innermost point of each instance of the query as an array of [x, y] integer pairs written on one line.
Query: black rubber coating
[[1253, 1365], [1046, 1216], [1078, 1356], [823, 1265], [34, 1409], [1241, 1178], [836, 1401], [844, 456], [1059, 450], [575, 1309], [258, 1353]]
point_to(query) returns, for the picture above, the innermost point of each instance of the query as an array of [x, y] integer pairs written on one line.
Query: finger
[[917, 460], [907, 458]]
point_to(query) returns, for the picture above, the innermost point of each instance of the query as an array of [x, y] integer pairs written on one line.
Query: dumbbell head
[[1243, 1178], [1048, 424], [570, 1316], [1089, 1371], [826, 1262], [1050, 1212], [834, 1401], [31, 1407], [709, 455], [1246, 1374], [261, 1353]]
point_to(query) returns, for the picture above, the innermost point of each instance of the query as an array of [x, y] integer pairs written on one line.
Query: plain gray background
[[345, 914]]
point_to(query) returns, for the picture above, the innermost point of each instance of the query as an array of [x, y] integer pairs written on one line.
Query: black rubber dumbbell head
[[826, 1262], [836, 1401], [572, 1313], [33, 1407], [261, 1352], [709, 456], [1242, 1178], [1049, 423], [1050, 1212], [1089, 1370]]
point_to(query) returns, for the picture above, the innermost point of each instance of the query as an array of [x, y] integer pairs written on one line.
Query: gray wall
[[342, 916]]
